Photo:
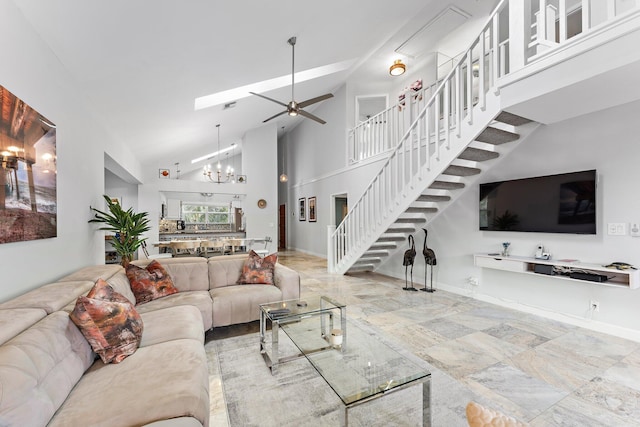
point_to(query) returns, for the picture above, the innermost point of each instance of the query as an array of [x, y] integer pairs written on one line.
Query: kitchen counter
[[199, 234]]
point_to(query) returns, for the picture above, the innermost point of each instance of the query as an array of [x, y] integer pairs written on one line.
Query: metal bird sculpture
[[409, 258], [430, 260]]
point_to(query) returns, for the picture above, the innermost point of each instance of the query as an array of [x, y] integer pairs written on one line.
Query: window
[[206, 214]]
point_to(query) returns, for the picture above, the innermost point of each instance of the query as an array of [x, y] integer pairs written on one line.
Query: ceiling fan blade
[[273, 117], [311, 116], [314, 100], [270, 99]]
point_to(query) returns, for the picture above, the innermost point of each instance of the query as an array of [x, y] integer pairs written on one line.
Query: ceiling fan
[[294, 108]]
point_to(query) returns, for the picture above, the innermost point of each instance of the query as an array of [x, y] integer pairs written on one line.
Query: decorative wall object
[[312, 209], [302, 209], [28, 184]]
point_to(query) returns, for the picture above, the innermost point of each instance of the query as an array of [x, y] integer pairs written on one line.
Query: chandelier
[[218, 175]]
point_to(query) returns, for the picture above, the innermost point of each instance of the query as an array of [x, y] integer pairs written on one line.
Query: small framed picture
[[164, 173], [302, 209], [312, 209]]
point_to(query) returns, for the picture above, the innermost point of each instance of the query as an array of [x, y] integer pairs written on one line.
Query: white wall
[[606, 141], [260, 162], [316, 162], [32, 72], [125, 192]]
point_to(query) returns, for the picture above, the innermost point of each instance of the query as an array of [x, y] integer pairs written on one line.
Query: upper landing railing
[[542, 26]]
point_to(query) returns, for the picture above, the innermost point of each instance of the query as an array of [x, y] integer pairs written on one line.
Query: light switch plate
[[617, 229]]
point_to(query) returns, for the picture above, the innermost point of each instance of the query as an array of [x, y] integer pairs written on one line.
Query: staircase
[[460, 131], [495, 141]]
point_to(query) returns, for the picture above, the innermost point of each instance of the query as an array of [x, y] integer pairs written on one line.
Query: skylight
[[267, 85]]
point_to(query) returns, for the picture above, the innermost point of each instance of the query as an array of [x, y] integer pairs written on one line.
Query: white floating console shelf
[[617, 278]]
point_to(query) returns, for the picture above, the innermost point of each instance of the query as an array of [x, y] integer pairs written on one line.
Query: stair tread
[[461, 171], [413, 209], [443, 185], [512, 119], [496, 136], [409, 220], [389, 239], [477, 155], [382, 245], [432, 198]]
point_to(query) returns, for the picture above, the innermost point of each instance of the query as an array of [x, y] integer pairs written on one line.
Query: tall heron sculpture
[[409, 258], [430, 260]]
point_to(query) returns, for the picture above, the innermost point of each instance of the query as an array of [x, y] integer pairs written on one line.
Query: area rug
[[297, 395]]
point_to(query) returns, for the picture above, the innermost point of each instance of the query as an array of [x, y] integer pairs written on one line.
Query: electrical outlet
[[635, 229], [594, 306]]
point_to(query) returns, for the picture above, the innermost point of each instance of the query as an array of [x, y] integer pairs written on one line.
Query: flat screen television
[[563, 203]]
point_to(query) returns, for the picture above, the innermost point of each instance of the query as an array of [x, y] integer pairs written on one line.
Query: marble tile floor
[[540, 371]]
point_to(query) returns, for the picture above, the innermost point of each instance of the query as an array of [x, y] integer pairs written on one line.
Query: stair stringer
[[439, 161]]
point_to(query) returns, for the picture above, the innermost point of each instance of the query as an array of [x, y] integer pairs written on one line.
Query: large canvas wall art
[[28, 202]]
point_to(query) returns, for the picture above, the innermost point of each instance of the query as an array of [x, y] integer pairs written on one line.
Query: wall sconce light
[[398, 68]]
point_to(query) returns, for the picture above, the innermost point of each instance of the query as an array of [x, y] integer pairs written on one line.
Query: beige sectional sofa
[[49, 374]]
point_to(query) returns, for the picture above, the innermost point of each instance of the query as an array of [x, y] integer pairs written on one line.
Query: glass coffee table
[[364, 370], [285, 312]]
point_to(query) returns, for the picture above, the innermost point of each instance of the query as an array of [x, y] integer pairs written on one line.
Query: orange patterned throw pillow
[[258, 270], [109, 322], [150, 283]]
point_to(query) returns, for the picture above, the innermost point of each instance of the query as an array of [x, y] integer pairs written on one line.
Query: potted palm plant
[[128, 227]]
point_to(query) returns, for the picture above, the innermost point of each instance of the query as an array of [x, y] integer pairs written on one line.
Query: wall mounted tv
[[563, 203]]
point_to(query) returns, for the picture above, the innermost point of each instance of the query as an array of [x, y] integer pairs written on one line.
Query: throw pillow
[[258, 270], [109, 322], [150, 283]]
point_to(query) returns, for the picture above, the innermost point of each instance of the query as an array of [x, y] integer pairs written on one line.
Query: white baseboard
[[304, 251], [594, 325]]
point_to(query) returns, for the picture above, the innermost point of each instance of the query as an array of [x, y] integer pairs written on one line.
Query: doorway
[[340, 208]]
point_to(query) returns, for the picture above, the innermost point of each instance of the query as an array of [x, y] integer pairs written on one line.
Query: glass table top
[[365, 368], [299, 307]]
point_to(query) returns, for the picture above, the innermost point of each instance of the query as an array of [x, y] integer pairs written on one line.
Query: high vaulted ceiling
[[141, 64]]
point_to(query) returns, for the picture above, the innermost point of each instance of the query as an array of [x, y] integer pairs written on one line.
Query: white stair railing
[[547, 25], [441, 119], [380, 133]]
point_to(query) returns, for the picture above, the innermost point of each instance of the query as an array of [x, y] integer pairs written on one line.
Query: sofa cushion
[[199, 299], [38, 369], [138, 393], [120, 283], [51, 297], [16, 320], [150, 283], [93, 273], [109, 322], [258, 270], [172, 323], [225, 270], [239, 303], [187, 273], [176, 422]]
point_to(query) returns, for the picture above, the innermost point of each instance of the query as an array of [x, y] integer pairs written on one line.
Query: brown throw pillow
[[150, 283], [258, 270], [109, 322]]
